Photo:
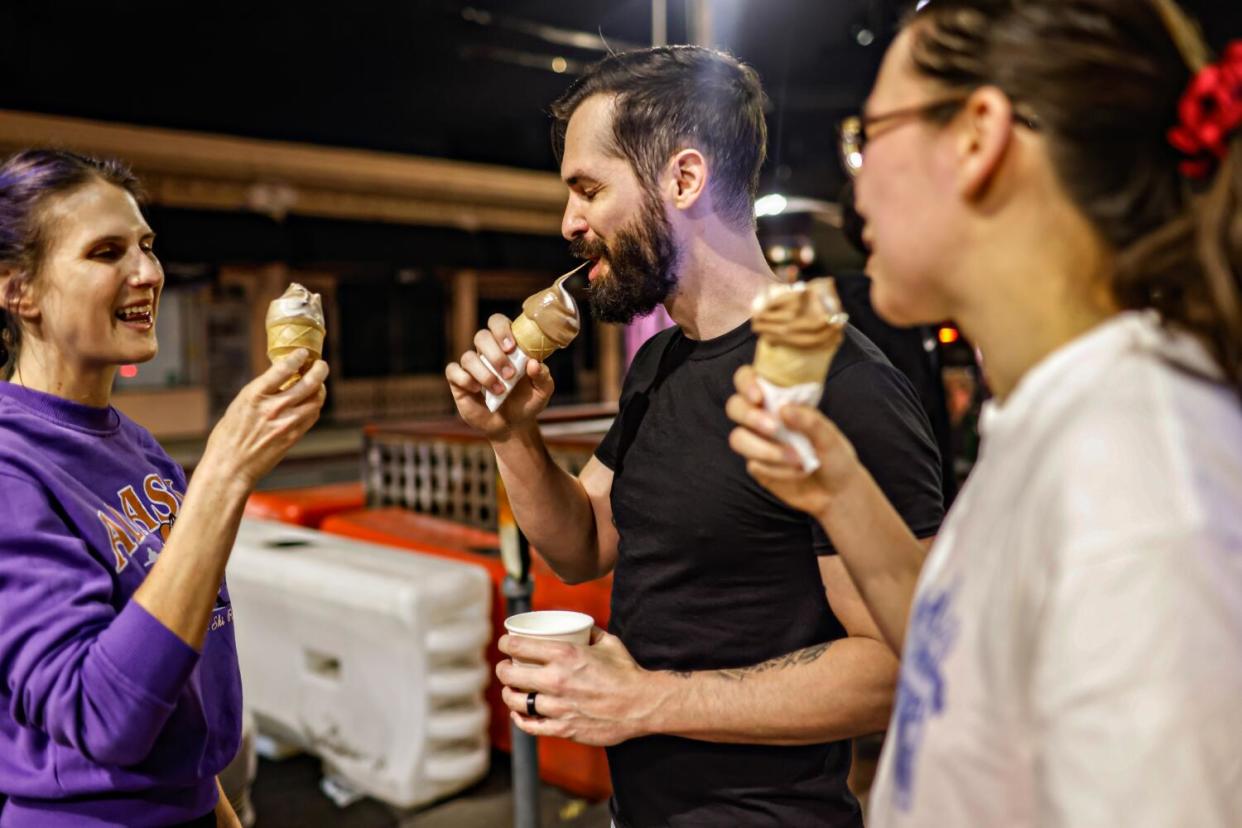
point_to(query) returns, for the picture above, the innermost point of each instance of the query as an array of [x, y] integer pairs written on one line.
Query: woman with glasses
[[1041, 172]]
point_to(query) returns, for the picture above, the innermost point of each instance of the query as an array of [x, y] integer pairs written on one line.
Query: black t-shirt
[[714, 572], [907, 349]]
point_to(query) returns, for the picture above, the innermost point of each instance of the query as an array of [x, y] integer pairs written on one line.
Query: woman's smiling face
[[98, 287]]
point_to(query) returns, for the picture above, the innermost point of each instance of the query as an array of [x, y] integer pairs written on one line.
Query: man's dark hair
[[1104, 78], [673, 97]]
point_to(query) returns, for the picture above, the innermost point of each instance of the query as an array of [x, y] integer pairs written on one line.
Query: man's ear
[[687, 178], [984, 134]]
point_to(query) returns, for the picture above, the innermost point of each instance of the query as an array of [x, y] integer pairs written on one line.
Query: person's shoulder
[[134, 432], [1151, 442], [23, 476], [646, 363], [856, 349], [144, 442], [20, 453], [860, 370], [650, 351]]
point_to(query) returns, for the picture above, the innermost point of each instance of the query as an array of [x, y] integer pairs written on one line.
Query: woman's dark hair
[[671, 97], [1103, 79], [29, 181]]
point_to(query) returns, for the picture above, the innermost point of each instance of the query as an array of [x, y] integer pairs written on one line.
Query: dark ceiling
[[462, 79]]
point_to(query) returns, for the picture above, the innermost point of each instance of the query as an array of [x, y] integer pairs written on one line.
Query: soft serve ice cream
[[800, 327], [549, 321], [294, 321]]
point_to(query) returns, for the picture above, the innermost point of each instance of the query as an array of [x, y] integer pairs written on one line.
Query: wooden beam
[[195, 170], [465, 314], [611, 362]]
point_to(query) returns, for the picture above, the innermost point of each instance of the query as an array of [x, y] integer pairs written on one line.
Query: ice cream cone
[[531, 339], [294, 321], [786, 365], [287, 335], [800, 327], [548, 322]]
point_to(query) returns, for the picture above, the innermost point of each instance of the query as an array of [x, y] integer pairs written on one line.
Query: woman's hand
[[260, 425], [774, 464], [263, 422], [226, 817]]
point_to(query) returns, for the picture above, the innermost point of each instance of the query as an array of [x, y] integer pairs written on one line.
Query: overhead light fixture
[[770, 205]]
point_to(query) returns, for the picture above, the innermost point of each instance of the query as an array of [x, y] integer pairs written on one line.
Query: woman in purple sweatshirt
[[120, 699]]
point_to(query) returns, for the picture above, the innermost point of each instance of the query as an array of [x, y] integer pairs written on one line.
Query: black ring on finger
[[530, 704]]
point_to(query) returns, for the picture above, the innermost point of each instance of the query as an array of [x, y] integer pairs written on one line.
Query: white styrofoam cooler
[[369, 657]]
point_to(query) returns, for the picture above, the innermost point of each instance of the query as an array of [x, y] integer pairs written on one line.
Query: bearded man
[[740, 658]]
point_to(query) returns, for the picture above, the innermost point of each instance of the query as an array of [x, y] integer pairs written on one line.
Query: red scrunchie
[[1210, 110]]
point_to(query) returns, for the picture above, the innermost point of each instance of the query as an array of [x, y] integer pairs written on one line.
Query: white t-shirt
[[1074, 656]]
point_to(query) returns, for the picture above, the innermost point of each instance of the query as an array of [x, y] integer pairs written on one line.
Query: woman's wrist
[[222, 478], [845, 492]]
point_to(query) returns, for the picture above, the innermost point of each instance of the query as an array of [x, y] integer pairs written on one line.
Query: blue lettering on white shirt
[[921, 691]]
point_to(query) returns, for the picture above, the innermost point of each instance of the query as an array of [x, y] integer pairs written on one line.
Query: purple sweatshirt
[[106, 717]]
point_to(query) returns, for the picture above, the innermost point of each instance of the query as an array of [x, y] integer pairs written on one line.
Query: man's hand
[[596, 695], [469, 376]]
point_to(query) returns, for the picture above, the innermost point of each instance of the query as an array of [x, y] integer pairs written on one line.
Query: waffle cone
[[531, 339], [787, 366], [287, 335]]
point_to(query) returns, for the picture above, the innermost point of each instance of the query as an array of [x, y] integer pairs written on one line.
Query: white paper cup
[[551, 625]]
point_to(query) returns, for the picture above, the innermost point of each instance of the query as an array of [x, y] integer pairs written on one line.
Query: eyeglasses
[[856, 130]]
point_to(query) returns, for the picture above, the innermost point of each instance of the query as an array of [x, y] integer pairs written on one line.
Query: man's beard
[[641, 267]]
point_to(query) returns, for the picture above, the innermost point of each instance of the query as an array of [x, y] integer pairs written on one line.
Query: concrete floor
[[286, 795]]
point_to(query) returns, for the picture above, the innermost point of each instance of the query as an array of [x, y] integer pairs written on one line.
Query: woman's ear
[[985, 133], [23, 305]]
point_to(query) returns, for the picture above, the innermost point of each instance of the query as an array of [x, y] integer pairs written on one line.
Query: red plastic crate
[[306, 507], [577, 768]]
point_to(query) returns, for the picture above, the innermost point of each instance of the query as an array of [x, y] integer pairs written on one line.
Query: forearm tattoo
[[795, 659]]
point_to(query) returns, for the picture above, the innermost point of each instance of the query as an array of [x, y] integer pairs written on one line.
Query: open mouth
[[596, 269], [139, 316]]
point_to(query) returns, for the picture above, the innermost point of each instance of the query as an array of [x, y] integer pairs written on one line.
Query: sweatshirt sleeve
[[93, 679]]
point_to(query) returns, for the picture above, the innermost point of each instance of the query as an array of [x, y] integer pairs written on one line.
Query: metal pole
[[659, 22], [699, 22], [518, 587], [525, 747]]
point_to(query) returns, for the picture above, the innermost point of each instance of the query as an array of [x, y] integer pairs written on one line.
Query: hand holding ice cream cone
[[800, 327], [549, 321], [294, 321]]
